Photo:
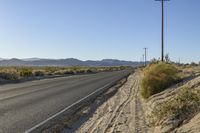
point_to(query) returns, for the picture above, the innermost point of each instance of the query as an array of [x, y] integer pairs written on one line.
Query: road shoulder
[[123, 112]]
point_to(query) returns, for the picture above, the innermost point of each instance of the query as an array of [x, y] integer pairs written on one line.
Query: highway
[[24, 105]]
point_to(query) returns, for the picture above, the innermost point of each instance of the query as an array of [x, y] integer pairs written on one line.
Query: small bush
[[58, 73], [80, 71], [75, 68], [9, 76], [51, 70], [184, 104], [26, 73], [39, 73], [89, 71], [157, 77], [69, 72], [193, 64]]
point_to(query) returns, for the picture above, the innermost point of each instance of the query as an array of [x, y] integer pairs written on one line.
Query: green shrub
[[25, 72], [157, 77]]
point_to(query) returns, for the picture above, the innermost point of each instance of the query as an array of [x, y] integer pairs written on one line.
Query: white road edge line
[[65, 109]]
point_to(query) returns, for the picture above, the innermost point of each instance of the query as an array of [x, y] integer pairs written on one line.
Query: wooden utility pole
[[145, 56], [143, 60], [162, 33]]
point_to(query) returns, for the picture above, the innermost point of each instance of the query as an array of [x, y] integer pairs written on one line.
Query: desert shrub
[[110, 68], [58, 73], [184, 104], [25, 72], [154, 61], [9, 76], [51, 70], [90, 71], [157, 77], [123, 67], [39, 73], [69, 72], [75, 68], [80, 71], [193, 64]]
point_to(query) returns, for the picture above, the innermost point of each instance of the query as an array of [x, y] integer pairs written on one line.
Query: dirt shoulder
[[123, 112], [126, 112]]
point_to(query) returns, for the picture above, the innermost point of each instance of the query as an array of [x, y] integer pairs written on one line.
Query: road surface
[[24, 105]]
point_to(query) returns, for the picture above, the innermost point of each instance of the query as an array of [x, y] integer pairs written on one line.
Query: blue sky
[[98, 29]]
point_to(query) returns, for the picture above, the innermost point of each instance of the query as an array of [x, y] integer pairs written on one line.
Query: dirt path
[[121, 113]]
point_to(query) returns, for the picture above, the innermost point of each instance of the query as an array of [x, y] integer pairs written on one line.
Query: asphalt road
[[24, 105]]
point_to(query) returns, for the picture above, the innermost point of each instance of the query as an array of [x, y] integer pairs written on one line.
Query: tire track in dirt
[[140, 123], [122, 113], [118, 113]]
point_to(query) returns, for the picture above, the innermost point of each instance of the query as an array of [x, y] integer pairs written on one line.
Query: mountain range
[[66, 62]]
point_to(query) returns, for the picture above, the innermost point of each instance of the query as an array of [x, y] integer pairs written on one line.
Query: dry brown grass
[[187, 71], [185, 104]]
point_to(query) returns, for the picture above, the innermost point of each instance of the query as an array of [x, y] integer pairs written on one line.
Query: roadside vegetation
[[185, 104], [157, 77], [179, 101], [20, 73]]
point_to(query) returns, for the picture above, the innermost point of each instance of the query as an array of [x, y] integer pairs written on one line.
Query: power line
[[162, 33]]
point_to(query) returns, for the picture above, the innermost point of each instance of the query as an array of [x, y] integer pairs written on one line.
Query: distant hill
[[2, 59], [66, 62], [31, 59]]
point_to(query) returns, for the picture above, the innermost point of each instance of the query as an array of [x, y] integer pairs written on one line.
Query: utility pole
[[145, 56], [162, 33], [143, 59]]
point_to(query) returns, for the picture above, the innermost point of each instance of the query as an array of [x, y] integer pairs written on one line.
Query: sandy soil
[[121, 113], [191, 127], [127, 112], [181, 125]]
